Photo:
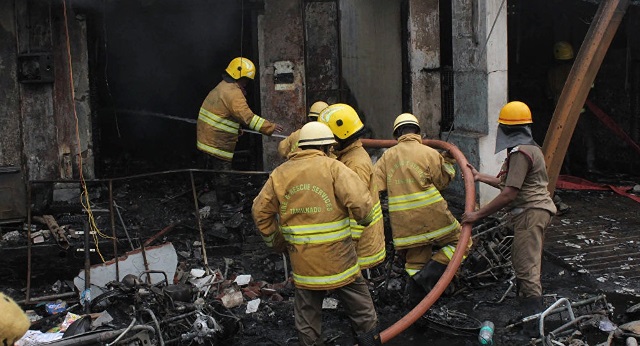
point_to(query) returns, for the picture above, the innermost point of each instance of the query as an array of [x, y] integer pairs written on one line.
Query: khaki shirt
[[525, 169], [413, 175], [307, 200], [370, 245], [221, 114]]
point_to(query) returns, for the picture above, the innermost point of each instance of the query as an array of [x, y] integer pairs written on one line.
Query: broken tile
[[252, 306], [330, 303]]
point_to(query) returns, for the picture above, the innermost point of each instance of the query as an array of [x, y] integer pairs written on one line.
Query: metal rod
[[87, 264], [113, 230], [161, 233], [195, 203], [151, 174], [146, 263], [28, 294], [123, 225], [49, 297]]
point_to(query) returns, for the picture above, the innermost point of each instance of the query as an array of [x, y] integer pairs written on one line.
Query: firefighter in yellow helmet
[[523, 183], [13, 322], [223, 113], [290, 144], [307, 200], [347, 128], [422, 226], [584, 134]]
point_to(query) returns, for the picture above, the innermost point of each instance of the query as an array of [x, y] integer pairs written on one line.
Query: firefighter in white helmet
[[307, 200], [423, 228], [347, 128], [290, 144], [223, 113]]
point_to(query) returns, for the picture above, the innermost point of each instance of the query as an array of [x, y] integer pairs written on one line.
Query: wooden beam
[[583, 73]]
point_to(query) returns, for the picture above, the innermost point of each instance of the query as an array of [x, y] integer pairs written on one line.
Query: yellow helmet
[[316, 108], [241, 67], [342, 119], [405, 119], [315, 133], [563, 50], [515, 113]]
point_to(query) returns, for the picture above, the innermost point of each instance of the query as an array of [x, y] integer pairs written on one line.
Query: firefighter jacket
[[525, 169], [289, 144], [221, 114], [370, 245], [308, 199], [413, 175]]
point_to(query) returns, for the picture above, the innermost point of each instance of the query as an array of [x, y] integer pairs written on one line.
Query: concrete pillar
[[480, 77], [424, 64], [282, 70]]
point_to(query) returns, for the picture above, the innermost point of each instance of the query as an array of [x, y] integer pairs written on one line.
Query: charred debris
[[140, 261]]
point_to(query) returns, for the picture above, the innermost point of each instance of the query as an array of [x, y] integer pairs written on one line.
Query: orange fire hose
[[452, 267]]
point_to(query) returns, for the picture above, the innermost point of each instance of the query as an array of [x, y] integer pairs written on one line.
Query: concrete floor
[[600, 236]]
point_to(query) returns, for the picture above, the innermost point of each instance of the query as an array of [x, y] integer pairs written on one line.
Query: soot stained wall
[[163, 57]]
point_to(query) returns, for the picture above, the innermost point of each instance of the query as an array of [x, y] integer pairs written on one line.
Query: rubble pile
[[170, 283]]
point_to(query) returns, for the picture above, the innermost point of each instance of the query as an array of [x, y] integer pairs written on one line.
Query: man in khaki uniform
[[422, 225], [307, 201], [290, 144], [347, 128], [523, 183]]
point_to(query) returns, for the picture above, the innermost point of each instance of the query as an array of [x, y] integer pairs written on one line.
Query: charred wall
[[534, 27], [161, 58]]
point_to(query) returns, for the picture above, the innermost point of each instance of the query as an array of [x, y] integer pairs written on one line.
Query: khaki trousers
[[356, 300], [526, 251]]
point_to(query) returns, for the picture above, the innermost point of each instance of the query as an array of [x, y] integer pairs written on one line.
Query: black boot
[[429, 275], [531, 306], [371, 338]]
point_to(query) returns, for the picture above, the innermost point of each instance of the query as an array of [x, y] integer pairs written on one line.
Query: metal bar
[[28, 294], [87, 263], [49, 297], [195, 203], [146, 175], [123, 225], [113, 230], [160, 234], [574, 94]]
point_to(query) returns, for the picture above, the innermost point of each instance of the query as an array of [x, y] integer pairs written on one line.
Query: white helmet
[[315, 133]]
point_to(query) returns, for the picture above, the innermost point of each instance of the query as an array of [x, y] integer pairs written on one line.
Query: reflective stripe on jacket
[[370, 245], [308, 199], [221, 114], [289, 144], [413, 175]]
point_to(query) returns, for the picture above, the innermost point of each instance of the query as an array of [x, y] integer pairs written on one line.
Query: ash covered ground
[[233, 246]]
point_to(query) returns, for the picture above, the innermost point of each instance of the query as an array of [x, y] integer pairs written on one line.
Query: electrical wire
[[84, 196]]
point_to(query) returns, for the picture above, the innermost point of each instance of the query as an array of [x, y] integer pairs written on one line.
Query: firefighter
[[290, 144], [13, 322], [347, 128], [583, 141], [307, 200], [223, 112], [523, 183], [422, 226]]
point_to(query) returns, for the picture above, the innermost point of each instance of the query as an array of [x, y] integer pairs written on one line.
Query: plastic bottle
[[485, 337]]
